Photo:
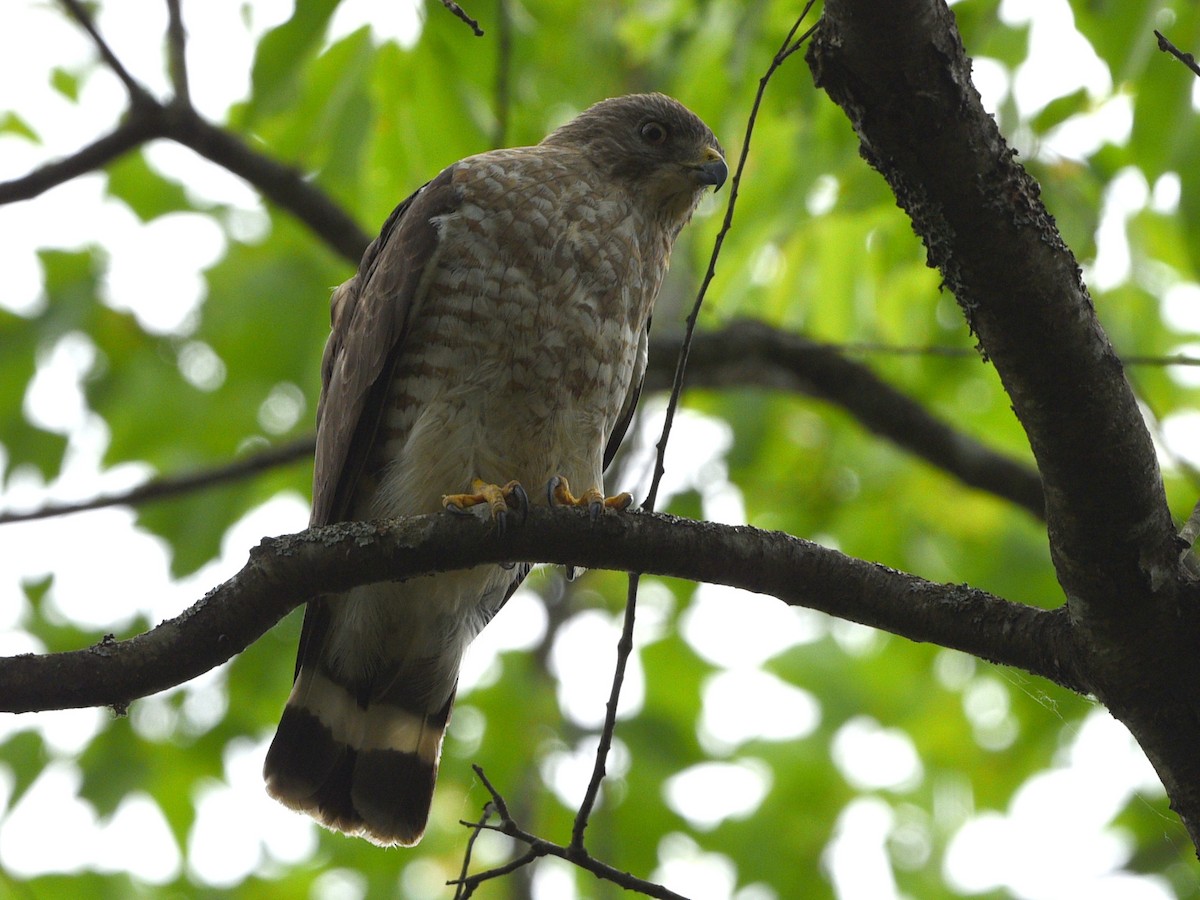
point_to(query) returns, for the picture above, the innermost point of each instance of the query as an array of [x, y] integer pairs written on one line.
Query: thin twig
[[175, 485], [600, 766], [476, 828], [539, 847], [503, 73], [785, 50], [1186, 58], [129, 135], [460, 13], [137, 93], [625, 644], [177, 53]]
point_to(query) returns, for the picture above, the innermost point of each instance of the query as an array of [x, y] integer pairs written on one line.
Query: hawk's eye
[[654, 133]]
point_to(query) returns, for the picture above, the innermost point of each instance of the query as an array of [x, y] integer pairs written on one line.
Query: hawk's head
[[654, 144]]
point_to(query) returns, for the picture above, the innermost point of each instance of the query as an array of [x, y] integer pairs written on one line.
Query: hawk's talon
[[502, 502], [558, 493]]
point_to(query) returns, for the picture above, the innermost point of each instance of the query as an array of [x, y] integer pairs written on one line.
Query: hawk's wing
[[370, 314], [631, 397]]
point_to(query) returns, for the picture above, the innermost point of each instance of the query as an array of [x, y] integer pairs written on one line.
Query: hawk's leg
[[502, 501], [558, 493]]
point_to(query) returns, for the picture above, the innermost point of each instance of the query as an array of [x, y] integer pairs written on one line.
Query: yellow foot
[[558, 493], [502, 501]]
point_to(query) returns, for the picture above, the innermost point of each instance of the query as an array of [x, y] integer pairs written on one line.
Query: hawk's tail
[[363, 767]]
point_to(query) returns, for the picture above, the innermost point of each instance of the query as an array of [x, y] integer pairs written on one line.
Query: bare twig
[[600, 766], [130, 134], [625, 643], [177, 485], [786, 49], [177, 53], [539, 847], [148, 118], [503, 72], [489, 809], [1186, 58], [79, 13], [460, 13]]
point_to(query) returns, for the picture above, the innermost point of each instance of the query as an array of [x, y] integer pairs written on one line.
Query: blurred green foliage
[[818, 246]]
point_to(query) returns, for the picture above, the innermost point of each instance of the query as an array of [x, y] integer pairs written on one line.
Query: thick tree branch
[[287, 571], [901, 75]]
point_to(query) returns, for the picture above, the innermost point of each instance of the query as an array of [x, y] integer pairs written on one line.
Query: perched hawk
[[495, 334]]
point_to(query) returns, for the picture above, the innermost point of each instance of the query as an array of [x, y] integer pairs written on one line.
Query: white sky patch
[[687, 869], [748, 704], [1181, 434], [553, 879], [1053, 40], [1166, 193], [138, 840], [521, 625], [856, 858], [1185, 376], [398, 22], [237, 824], [695, 453], [54, 399], [871, 757], [50, 829], [733, 628], [582, 661], [986, 705], [1181, 307], [155, 269], [993, 81], [567, 770], [1124, 196], [709, 793], [1055, 839], [1080, 136]]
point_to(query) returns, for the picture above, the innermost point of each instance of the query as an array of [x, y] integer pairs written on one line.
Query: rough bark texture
[[284, 572], [900, 73]]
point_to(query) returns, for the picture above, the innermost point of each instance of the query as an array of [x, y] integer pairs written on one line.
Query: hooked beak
[[712, 169]]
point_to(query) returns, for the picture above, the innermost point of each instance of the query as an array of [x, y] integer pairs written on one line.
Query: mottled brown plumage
[[496, 329]]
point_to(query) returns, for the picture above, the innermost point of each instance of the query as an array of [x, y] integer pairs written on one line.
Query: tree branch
[[752, 353], [742, 354], [79, 13], [281, 184], [539, 847], [286, 571], [130, 134], [177, 53], [900, 73], [179, 121], [175, 485]]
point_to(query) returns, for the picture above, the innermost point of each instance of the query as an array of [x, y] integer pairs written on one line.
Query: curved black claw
[[596, 509], [551, 488], [518, 508]]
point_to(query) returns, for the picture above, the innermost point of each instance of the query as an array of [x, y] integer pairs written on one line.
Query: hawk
[[494, 336]]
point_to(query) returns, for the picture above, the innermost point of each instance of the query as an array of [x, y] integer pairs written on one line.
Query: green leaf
[[143, 190], [282, 56]]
